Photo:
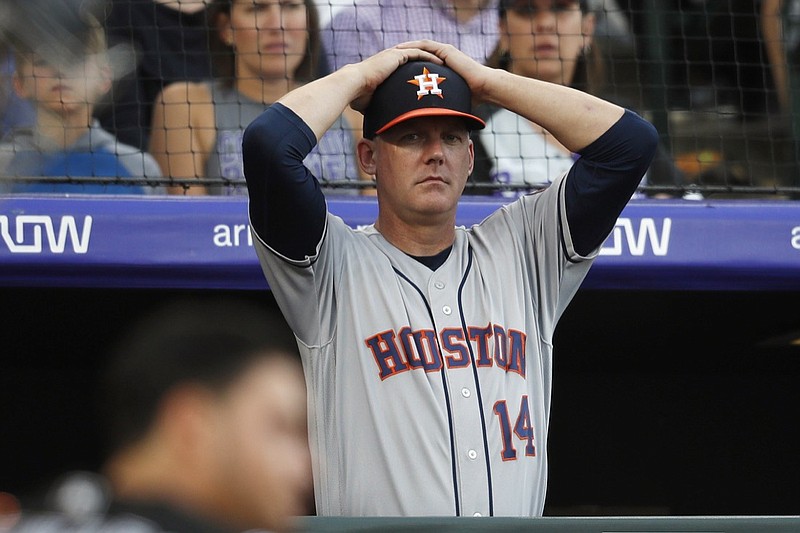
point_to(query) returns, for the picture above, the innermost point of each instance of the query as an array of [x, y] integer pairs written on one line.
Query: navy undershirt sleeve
[[605, 177], [287, 207]]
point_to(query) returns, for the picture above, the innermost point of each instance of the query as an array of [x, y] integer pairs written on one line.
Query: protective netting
[[152, 96]]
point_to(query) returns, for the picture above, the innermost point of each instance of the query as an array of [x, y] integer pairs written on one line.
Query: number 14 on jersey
[[522, 429]]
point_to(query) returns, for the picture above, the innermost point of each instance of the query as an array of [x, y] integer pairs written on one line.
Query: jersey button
[[439, 285], [446, 310], [477, 514], [465, 392], [472, 454]]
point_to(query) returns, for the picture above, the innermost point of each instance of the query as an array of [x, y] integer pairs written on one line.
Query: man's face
[[421, 166], [263, 465]]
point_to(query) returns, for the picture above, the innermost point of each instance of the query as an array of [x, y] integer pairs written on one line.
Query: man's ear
[[471, 156], [184, 416], [365, 151]]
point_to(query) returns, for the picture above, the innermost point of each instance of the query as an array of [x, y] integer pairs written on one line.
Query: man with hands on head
[[427, 348]]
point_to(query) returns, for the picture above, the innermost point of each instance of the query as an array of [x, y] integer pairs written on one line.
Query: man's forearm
[[573, 117], [320, 102]]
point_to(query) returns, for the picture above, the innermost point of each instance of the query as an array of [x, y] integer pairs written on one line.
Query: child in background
[[63, 81]]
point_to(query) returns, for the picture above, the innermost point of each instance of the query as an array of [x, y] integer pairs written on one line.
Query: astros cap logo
[[428, 84], [417, 89]]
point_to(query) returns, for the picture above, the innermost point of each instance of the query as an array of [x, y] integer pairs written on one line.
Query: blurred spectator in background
[[62, 69], [369, 26], [156, 42], [14, 111], [708, 54], [551, 41], [262, 50], [364, 28], [780, 27], [204, 406]]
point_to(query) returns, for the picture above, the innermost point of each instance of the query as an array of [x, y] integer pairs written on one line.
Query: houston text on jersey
[[409, 349]]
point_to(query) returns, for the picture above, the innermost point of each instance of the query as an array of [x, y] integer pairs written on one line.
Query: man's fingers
[[420, 50]]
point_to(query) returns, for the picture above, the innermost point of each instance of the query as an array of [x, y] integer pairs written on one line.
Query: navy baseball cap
[[419, 89]]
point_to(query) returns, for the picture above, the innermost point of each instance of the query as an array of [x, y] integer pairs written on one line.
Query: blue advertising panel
[[182, 242]]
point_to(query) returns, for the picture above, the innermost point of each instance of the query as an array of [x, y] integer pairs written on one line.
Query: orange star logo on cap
[[428, 84]]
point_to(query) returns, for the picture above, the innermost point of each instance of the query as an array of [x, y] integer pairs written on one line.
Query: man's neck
[[417, 240], [150, 470]]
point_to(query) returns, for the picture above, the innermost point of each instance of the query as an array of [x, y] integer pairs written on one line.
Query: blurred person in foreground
[[206, 408], [203, 407], [62, 69]]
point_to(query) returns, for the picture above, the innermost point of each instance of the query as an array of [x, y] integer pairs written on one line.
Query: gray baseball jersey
[[429, 391]]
